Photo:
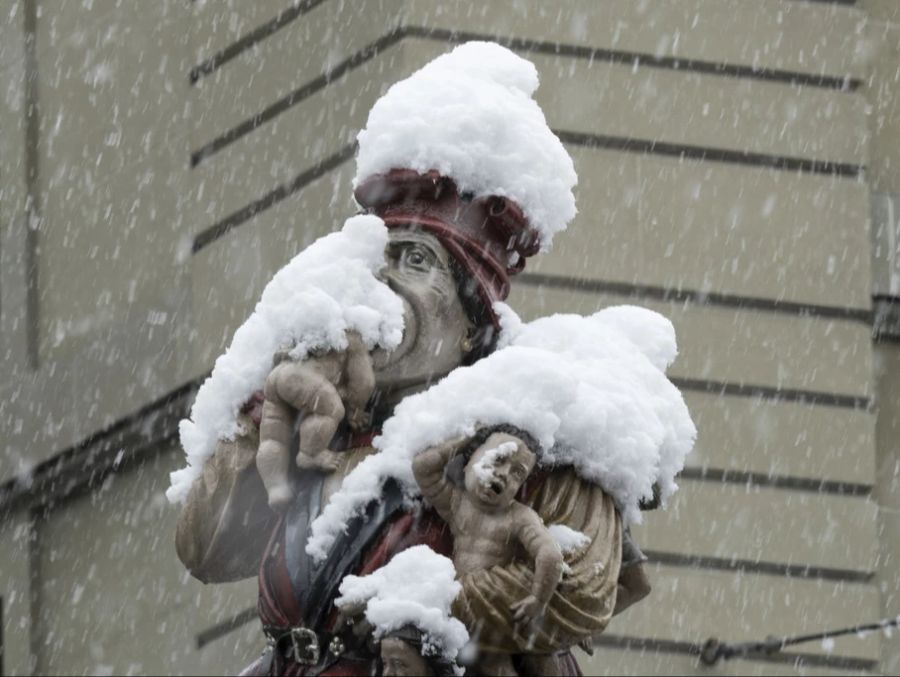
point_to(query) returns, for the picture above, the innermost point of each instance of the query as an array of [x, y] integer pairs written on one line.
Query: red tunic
[[278, 605]]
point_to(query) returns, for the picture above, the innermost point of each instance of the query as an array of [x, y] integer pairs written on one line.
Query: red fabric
[[277, 605], [568, 665]]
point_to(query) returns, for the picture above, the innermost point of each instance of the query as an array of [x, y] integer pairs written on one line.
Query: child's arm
[[428, 469], [548, 564]]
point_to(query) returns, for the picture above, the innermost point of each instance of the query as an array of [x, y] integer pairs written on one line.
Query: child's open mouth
[[496, 486]]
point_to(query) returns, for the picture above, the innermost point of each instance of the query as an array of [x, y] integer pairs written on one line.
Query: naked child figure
[[319, 387], [487, 522]]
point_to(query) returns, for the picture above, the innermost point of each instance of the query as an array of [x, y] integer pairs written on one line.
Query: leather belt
[[304, 645]]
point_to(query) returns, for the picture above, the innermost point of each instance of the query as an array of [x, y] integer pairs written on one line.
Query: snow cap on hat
[[461, 149]]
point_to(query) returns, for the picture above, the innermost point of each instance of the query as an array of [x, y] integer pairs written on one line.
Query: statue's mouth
[[496, 486]]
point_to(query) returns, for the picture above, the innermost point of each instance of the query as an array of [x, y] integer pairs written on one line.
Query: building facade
[[739, 168]]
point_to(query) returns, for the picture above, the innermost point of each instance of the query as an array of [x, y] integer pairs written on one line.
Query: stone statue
[[448, 260], [318, 387], [488, 524], [402, 655], [453, 245]]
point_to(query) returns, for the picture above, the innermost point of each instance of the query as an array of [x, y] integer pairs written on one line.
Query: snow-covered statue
[[318, 386], [459, 180], [406, 608], [488, 525]]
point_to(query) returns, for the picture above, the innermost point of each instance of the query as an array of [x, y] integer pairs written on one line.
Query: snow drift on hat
[[469, 115]]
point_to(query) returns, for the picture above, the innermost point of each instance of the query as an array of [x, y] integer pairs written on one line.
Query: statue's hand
[[358, 418], [353, 616], [527, 611]]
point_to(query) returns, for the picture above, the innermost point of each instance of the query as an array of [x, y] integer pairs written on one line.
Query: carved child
[[320, 387], [403, 655], [488, 523]]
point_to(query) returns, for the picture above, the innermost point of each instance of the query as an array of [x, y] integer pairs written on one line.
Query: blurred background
[[739, 166]]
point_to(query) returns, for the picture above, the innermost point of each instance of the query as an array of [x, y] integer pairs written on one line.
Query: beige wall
[[764, 271], [113, 598], [887, 490]]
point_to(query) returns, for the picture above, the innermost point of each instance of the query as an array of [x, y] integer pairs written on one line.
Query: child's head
[[499, 466], [400, 658], [403, 652]]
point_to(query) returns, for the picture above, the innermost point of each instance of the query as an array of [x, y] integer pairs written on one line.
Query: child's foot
[[280, 497], [326, 461]]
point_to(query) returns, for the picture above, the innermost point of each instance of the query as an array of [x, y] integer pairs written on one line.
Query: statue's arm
[[633, 587], [225, 522], [548, 559], [428, 469]]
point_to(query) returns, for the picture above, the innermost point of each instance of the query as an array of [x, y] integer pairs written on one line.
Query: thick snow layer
[[592, 390], [415, 588], [469, 115], [569, 540], [310, 304]]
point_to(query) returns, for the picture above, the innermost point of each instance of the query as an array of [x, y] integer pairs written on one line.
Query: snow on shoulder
[[592, 391], [469, 115], [326, 290], [416, 587]]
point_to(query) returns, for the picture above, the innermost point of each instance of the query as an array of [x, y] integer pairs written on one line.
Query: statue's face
[[418, 270], [497, 470], [401, 659]]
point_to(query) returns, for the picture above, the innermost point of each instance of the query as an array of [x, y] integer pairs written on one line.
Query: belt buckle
[[305, 643]]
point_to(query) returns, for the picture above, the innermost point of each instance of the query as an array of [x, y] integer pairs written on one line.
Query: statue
[[405, 609], [487, 523], [318, 387], [451, 252]]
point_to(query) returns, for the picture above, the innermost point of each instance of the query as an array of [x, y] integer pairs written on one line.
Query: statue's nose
[[388, 275]]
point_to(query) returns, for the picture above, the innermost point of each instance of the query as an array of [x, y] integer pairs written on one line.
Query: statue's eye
[[416, 258]]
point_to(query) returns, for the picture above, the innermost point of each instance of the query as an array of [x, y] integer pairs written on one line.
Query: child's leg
[[273, 458], [307, 391], [320, 423]]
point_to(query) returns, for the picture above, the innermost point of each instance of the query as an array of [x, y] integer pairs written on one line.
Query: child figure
[[487, 522], [318, 387]]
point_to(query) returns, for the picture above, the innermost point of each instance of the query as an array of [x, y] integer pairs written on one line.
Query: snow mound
[[469, 115], [415, 588], [599, 336], [326, 290], [569, 540], [592, 391]]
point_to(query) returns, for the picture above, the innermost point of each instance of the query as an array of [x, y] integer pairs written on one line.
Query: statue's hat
[[489, 237], [461, 149]]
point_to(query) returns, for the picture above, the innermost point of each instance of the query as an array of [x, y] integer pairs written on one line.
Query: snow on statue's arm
[[323, 297], [583, 602]]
